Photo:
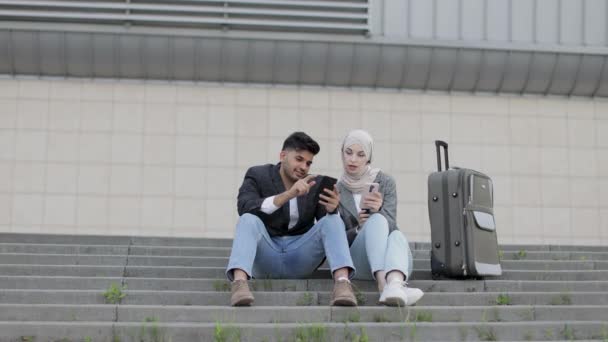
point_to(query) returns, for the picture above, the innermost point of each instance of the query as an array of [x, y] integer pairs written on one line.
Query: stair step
[[114, 260], [294, 298], [310, 314], [112, 240], [219, 272], [222, 242], [49, 248], [52, 286], [422, 331], [222, 285]]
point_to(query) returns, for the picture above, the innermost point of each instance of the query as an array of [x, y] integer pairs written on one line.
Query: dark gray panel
[[52, 50], [105, 55], [565, 74], [157, 51], [288, 61], [391, 66], [493, 64], [516, 72], [588, 75], [417, 67], [6, 55], [602, 86], [25, 52], [541, 71], [79, 54], [466, 73], [366, 65], [314, 66], [130, 59], [261, 61], [339, 64], [443, 63], [210, 59], [184, 58], [234, 60]]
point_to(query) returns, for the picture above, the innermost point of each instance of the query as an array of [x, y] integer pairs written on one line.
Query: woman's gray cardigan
[[348, 209]]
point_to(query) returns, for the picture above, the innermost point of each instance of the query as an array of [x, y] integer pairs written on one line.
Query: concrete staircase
[[173, 289]]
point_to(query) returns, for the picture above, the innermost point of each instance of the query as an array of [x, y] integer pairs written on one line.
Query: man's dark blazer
[[264, 181]]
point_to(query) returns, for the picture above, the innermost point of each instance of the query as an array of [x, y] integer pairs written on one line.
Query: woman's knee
[[398, 236], [378, 223]]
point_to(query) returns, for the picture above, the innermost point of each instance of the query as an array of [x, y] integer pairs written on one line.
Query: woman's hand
[[372, 201], [330, 199], [363, 216]]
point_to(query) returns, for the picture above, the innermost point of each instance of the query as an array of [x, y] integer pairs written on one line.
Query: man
[[276, 235]]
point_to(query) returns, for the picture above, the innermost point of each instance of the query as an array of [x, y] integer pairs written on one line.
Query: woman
[[378, 249]]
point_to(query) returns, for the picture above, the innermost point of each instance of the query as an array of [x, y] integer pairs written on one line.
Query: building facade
[[142, 117]]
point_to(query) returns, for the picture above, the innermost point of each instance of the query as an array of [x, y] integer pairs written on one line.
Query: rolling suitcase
[[463, 230]]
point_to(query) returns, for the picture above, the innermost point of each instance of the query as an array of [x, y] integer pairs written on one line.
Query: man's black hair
[[301, 141]]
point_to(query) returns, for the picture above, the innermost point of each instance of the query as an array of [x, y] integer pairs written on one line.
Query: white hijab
[[357, 183]]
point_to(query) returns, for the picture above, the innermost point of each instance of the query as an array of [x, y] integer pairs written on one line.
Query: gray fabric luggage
[[463, 230]]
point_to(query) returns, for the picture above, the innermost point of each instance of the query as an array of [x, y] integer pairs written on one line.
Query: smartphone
[[327, 183], [371, 187]]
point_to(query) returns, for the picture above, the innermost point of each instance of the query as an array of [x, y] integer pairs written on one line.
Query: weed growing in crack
[[115, 293]]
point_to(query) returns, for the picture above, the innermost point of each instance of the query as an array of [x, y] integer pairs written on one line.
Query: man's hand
[[301, 187], [363, 216], [330, 199], [372, 201]]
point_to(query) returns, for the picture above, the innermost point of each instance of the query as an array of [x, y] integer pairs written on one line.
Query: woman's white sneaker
[[413, 295], [397, 293]]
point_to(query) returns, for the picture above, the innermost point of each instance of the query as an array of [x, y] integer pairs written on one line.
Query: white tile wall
[[96, 116], [556, 222], [6, 177], [405, 127], [555, 191], [527, 221], [153, 158], [5, 209], [65, 114], [8, 116], [604, 226], [581, 133]]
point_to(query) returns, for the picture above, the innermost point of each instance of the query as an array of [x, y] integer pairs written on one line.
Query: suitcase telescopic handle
[[438, 144]]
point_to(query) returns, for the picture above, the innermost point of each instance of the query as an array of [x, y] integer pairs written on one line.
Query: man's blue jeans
[[374, 249], [262, 256]]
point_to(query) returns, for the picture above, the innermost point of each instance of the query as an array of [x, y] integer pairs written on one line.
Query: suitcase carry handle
[[438, 144]]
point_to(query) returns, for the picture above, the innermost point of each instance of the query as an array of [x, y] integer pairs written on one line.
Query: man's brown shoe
[[241, 296], [343, 294]]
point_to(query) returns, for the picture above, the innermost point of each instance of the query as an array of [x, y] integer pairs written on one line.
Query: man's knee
[[332, 222], [249, 219], [250, 223]]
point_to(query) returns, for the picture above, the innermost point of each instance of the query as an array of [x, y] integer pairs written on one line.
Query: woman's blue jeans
[[374, 249]]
